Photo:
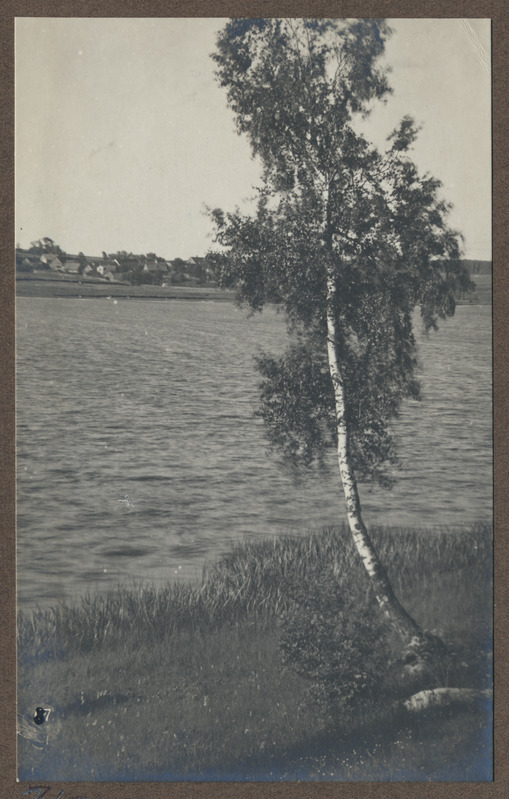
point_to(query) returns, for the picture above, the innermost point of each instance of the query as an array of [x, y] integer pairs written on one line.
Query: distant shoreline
[[73, 289], [70, 288]]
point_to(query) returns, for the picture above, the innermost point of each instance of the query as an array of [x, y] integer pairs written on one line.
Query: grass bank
[[50, 284], [73, 287], [276, 666]]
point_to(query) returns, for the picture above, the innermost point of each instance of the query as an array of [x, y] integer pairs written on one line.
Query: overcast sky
[[122, 135]]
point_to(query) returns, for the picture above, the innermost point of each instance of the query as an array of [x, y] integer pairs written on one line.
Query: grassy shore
[[276, 666], [74, 287], [48, 284]]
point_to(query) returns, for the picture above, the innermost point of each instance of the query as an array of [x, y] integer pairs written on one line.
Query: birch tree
[[347, 239]]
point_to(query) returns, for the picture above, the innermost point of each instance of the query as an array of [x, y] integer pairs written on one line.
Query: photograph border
[[221, 8]]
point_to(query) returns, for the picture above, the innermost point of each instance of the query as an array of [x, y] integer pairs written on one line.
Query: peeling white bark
[[406, 626]]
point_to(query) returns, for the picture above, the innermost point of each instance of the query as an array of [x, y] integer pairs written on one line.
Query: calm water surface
[[156, 400]]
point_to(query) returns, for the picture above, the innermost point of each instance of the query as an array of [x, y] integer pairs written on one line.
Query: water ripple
[[156, 401]]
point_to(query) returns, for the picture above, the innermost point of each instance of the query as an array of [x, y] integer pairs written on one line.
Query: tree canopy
[[45, 245], [332, 211]]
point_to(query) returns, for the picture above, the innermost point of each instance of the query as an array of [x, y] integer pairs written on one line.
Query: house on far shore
[[27, 261], [53, 261], [199, 268], [105, 269], [156, 266], [72, 266]]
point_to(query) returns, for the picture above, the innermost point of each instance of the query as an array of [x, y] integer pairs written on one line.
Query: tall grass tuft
[[260, 580], [148, 613]]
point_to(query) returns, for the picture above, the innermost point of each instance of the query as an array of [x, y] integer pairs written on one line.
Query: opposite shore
[[69, 287], [60, 286]]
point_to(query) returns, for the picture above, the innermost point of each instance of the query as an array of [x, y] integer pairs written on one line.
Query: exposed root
[[425, 658], [427, 647], [444, 697]]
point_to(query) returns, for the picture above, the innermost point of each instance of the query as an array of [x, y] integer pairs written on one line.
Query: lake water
[[156, 400]]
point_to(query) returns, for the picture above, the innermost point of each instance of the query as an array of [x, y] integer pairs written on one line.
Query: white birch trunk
[[400, 619]]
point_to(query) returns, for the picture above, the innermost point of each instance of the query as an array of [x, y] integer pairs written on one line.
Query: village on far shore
[[44, 257], [44, 269]]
